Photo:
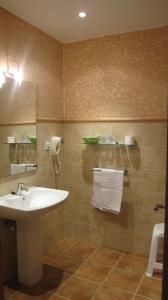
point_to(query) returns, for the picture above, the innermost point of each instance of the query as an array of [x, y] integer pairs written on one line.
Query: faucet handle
[[21, 184], [20, 187]]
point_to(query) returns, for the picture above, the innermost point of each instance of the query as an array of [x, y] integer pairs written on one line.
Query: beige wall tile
[[80, 192], [143, 211], [131, 230], [159, 181], [142, 179], [78, 212]]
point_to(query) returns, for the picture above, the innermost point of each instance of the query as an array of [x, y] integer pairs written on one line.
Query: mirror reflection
[[18, 142]]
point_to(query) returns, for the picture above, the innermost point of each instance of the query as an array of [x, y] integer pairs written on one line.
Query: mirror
[[18, 142]]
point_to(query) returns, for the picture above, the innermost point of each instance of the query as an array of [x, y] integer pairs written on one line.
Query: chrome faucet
[[21, 187]]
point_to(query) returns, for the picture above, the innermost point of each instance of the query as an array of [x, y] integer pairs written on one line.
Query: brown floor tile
[[21, 296], [78, 289], [45, 296], [48, 259], [51, 281], [57, 249], [93, 271], [107, 293], [133, 263], [56, 297], [124, 280], [81, 251], [67, 263], [150, 288], [8, 292], [141, 298], [63, 245], [106, 256], [53, 274]]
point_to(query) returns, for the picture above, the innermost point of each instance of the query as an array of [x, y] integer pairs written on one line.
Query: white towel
[[30, 167], [107, 189], [17, 168], [21, 168]]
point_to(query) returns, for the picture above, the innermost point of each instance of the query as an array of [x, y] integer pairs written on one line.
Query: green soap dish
[[90, 139], [33, 139]]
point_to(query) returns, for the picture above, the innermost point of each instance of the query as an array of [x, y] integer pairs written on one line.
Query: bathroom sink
[[27, 209], [35, 201]]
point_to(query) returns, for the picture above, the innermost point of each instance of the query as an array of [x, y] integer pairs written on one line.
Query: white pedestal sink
[[27, 209], [29, 245]]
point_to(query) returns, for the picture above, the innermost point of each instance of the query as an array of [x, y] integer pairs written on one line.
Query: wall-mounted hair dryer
[[54, 150]]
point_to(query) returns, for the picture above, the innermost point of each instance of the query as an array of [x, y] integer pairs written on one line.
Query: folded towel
[[96, 189], [107, 189], [17, 168], [21, 168], [30, 167]]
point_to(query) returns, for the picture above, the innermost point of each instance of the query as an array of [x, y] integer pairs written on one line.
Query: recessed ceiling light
[[82, 14]]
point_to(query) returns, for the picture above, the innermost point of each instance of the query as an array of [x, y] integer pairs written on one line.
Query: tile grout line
[[130, 271], [64, 298], [140, 285], [135, 294], [72, 274], [85, 261], [156, 278], [92, 298], [64, 252]]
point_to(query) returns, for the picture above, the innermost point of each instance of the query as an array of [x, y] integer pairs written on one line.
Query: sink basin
[[37, 200], [27, 209]]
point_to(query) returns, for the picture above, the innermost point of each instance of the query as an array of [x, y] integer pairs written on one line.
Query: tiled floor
[[76, 271]]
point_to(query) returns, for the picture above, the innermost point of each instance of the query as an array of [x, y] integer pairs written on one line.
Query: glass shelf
[[20, 143], [113, 145]]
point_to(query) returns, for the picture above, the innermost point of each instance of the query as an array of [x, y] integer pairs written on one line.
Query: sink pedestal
[[29, 248], [26, 209]]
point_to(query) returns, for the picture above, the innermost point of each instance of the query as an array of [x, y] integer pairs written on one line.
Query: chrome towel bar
[[99, 170]]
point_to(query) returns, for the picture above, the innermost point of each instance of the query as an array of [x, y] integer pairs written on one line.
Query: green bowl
[[33, 140], [90, 139]]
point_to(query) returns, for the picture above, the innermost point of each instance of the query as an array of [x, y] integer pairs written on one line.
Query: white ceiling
[[59, 18]]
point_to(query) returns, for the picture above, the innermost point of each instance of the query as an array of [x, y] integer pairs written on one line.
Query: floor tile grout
[[129, 271], [75, 275], [139, 257], [143, 297], [154, 278], [86, 260], [64, 298], [64, 252], [106, 277], [138, 287], [85, 279]]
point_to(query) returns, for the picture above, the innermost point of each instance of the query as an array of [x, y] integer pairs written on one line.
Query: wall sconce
[[14, 72]]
